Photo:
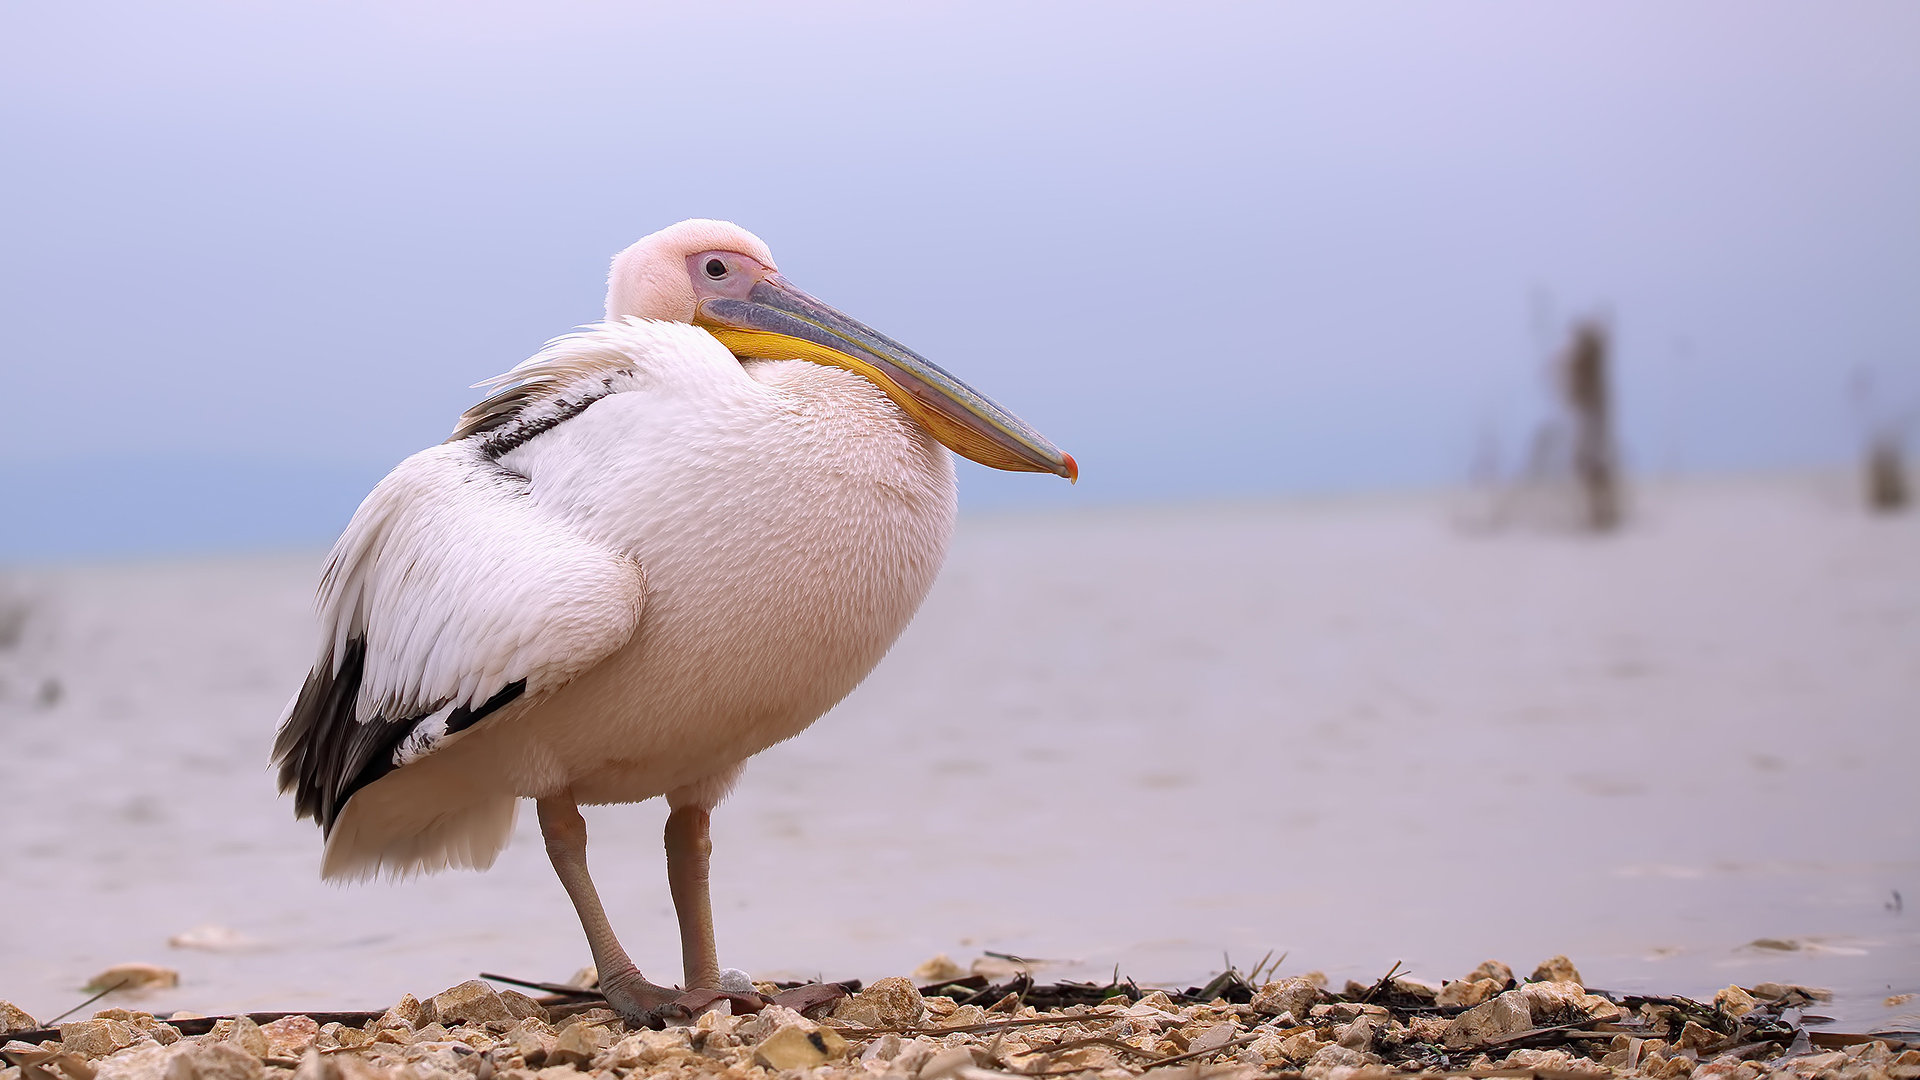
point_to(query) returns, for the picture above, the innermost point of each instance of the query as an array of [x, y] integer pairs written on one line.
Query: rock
[[1557, 969], [889, 1003], [1500, 973], [964, 1016], [1466, 993], [884, 1048], [13, 1018], [1554, 1062], [735, 981], [1772, 991], [1696, 1037], [1301, 1047], [1734, 1001], [938, 970], [1331, 1059], [1507, 1014], [95, 1038], [1565, 1002], [575, 1046], [1428, 1029], [945, 1063], [520, 1006], [472, 1002], [1357, 1035], [247, 1035], [648, 1048], [999, 968], [405, 1013], [290, 1036], [532, 1041], [133, 977], [587, 978], [1416, 989], [1295, 995], [794, 1047], [1216, 1037], [215, 1061]]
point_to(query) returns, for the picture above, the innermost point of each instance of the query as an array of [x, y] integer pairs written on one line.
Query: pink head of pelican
[[661, 545]]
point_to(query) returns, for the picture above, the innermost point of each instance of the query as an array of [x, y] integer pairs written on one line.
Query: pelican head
[[720, 277]]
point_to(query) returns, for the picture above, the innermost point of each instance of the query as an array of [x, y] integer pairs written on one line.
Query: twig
[[549, 987], [1382, 984], [124, 980]]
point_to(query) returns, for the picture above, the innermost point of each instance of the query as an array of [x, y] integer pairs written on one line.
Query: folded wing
[[451, 596]]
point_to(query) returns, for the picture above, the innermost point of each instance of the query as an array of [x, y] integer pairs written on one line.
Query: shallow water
[[1347, 731]]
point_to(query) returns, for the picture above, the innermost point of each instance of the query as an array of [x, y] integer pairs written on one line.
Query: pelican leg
[[630, 994], [689, 850]]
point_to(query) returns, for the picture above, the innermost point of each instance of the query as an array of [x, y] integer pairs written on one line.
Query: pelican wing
[[450, 596]]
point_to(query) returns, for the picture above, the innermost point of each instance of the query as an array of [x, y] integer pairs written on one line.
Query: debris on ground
[[968, 1026]]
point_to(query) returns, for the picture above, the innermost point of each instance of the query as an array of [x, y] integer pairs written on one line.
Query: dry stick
[[124, 980], [549, 987], [970, 1029]]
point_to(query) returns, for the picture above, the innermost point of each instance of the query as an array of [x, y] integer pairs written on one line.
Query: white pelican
[[665, 543]]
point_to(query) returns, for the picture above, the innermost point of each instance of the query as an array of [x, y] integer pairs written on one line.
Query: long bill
[[779, 322]]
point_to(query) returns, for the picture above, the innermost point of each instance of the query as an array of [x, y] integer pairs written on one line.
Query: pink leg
[[689, 849], [630, 994]]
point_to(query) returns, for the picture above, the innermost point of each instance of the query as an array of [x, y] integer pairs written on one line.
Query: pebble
[[1507, 1014], [133, 977], [472, 1002], [14, 1018], [1559, 969]]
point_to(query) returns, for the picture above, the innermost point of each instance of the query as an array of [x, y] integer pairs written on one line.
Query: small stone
[[1295, 995], [938, 970], [1565, 1002], [1734, 1001], [794, 1047], [1299, 1048], [885, 1048], [520, 1006], [1466, 993], [964, 1016], [133, 977], [290, 1036], [247, 1035], [13, 1018], [1773, 991], [472, 1002], [587, 978], [1557, 969], [575, 1046], [404, 1013], [1507, 1014], [1500, 973], [1334, 1056], [532, 1041], [1216, 1037], [1696, 1037], [735, 981], [1554, 1062], [1416, 989], [95, 1038], [1428, 1029], [217, 1061], [945, 1063], [1357, 1035], [891, 1002]]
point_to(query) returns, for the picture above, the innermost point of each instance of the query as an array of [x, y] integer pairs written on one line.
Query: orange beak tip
[[1073, 469]]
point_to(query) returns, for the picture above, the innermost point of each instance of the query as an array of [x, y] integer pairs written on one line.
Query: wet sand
[[1348, 731]]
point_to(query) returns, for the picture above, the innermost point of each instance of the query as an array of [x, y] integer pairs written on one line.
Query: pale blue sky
[[254, 253]]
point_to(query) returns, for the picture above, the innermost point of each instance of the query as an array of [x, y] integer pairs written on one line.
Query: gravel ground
[[958, 1027]]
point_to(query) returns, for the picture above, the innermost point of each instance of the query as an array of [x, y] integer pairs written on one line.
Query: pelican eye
[[716, 268]]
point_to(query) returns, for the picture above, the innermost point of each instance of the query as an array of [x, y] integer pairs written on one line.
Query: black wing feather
[[326, 755]]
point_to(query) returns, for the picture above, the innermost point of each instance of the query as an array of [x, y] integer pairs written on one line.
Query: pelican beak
[[779, 322]]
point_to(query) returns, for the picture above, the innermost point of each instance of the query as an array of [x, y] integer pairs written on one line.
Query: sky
[[256, 253]]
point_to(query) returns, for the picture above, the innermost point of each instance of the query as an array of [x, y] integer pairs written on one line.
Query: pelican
[[664, 543]]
